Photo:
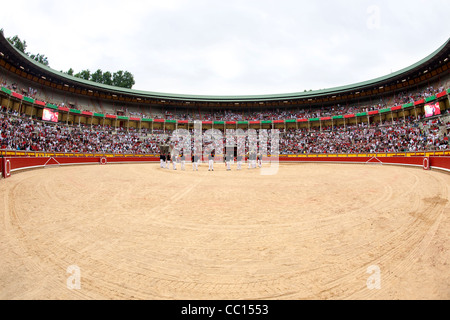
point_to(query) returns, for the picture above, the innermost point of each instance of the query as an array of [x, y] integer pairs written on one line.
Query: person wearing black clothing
[[162, 158], [168, 161], [195, 160], [211, 157]]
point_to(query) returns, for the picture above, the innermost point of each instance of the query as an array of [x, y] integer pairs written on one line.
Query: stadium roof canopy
[[435, 65]]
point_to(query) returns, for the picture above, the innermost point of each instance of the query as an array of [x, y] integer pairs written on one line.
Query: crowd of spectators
[[401, 137], [20, 132]]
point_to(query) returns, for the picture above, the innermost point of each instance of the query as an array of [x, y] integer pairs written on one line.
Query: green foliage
[[40, 58], [107, 78], [97, 76], [85, 74], [123, 79], [22, 47], [18, 44]]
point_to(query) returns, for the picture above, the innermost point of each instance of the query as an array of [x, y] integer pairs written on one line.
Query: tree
[[40, 58], [97, 76], [107, 78], [22, 47], [123, 79], [70, 72], [18, 43], [85, 74]]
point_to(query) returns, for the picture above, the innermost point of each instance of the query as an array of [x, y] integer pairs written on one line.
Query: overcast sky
[[231, 47]]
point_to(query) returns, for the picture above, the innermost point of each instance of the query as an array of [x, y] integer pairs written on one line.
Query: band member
[[239, 162], [183, 160], [260, 160], [229, 159], [195, 160], [162, 158], [168, 161], [253, 158], [211, 158], [174, 158]]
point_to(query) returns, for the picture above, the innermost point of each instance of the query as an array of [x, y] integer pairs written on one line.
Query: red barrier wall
[[12, 164], [23, 163]]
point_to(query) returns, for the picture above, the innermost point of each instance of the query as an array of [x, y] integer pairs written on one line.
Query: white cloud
[[231, 47]]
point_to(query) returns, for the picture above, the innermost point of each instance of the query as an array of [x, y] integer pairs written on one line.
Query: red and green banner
[[28, 99], [442, 94], [6, 90], [429, 99], [18, 96]]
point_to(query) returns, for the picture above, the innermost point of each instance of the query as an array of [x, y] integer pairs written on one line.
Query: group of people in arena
[[173, 158]]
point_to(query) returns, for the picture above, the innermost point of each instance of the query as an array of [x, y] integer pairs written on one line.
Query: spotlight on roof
[[381, 87], [21, 67], [44, 78], [426, 71], [261, 103], [404, 80], [445, 60], [1, 54]]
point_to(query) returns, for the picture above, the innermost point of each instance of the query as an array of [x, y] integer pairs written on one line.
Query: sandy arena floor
[[309, 232]]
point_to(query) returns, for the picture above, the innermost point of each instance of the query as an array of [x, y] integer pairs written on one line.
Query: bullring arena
[[357, 207], [137, 231]]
